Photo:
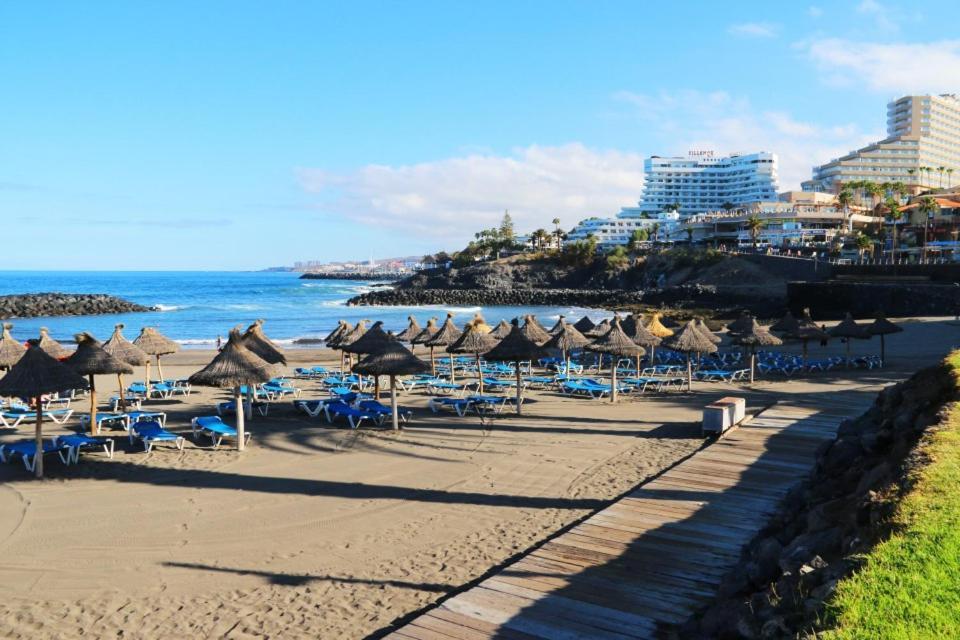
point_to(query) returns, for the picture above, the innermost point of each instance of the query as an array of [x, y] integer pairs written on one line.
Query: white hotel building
[[922, 148], [699, 183], [702, 182]]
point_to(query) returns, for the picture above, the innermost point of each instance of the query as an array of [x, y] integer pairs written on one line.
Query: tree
[[556, 231], [875, 192], [845, 199], [940, 170], [428, 261], [927, 208], [656, 231], [580, 253], [442, 258], [728, 206], [617, 259], [895, 214], [864, 244], [539, 238], [949, 178], [638, 236], [754, 225], [506, 230], [689, 231]]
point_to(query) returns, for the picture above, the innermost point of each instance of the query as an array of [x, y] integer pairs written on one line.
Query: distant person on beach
[[219, 343]]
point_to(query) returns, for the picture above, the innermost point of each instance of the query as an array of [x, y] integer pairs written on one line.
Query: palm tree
[[556, 231], [927, 208], [754, 224], [864, 243], [728, 206], [844, 199], [895, 214], [875, 192], [539, 238], [949, 178], [656, 231], [910, 172], [940, 170]]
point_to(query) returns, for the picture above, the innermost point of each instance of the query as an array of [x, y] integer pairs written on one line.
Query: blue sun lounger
[[263, 408], [216, 429], [149, 432], [27, 451], [11, 419], [312, 408], [73, 443], [374, 406], [354, 416], [460, 405]]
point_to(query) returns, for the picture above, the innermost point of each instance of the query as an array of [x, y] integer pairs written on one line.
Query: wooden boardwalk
[[653, 558]]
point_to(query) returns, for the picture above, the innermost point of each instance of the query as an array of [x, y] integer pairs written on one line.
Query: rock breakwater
[[34, 305]]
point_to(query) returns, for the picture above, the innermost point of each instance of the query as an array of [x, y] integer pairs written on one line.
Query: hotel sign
[[700, 153]]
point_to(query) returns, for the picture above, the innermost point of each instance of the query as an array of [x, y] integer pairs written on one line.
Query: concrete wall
[[792, 268], [949, 272], [831, 300]]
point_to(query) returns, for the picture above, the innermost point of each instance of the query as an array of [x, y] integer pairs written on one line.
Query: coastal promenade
[[654, 557]]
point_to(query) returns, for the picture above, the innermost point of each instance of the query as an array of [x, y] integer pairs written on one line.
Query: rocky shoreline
[[34, 305], [693, 296], [368, 277]]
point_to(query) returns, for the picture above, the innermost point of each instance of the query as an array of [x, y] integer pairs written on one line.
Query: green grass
[[910, 585]]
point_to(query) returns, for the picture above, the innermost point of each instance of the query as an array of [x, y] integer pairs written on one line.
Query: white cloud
[[883, 17], [754, 29], [725, 123], [454, 197], [814, 12], [931, 67]]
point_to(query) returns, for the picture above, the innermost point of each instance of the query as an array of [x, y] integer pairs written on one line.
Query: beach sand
[[323, 532]]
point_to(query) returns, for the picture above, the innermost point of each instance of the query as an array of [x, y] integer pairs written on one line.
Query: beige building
[[922, 149]]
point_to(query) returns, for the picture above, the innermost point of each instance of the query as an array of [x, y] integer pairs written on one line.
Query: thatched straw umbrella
[[502, 330], [412, 331], [50, 346], [10, 350], [233, 367], [786, 324], [374, 340], [393, 360], [348, 338], [756, 336], [444, 337], [91, 360], [583, 325], [153, 343], [516, 348], [474, 341], [882, 327], [690, 340], [479, 324], [334, 337], [616, 343], [256, 340], [534, 330], [656, 327], [849, 330], [566, 340], [125, 351], [600, 329], [555, 329], [803, 329], [35, 374], [629, 324], [710, 335], [643, 337], [743, 324], [428, 332]]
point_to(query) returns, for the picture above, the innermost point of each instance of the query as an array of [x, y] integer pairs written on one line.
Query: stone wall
[[33, 305], [831, 300], [792, 268]]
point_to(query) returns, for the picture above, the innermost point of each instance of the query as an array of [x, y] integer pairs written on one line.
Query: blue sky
[[240, 135]]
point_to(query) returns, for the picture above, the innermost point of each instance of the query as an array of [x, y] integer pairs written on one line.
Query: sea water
[[194, 308]]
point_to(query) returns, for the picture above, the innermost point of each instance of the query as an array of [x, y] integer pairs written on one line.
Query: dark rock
[[775, 628], [873, 478], [33, 305], [842, 454]]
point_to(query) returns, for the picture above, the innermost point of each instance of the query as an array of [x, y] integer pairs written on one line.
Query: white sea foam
[[169, 307]]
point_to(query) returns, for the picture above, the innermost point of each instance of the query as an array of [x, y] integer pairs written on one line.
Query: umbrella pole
[[613, 386], [689, 374], [123, 396], [393, 403], [38, 461], [653, 353], [159, 369], [848, 351], [147, 381], [804, 354], [376, 388], [433, 363], [753, 360], [93, 406], [247, 406], [479, 374], [638, 364], [238, 401], [519, 388], [453, 371], [883, 351]]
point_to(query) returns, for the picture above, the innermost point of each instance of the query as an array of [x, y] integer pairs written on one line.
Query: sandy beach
[[319, 531]]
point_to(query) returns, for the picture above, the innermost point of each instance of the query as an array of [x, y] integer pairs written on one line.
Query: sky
[[243, 135]]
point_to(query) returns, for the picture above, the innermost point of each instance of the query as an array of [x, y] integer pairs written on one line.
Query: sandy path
[[320, 532]]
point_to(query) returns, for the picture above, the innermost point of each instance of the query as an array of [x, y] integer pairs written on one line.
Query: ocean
[[196, 307]]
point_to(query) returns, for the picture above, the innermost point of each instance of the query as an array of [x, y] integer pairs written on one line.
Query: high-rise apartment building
[[922, 148], [702, 182]]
